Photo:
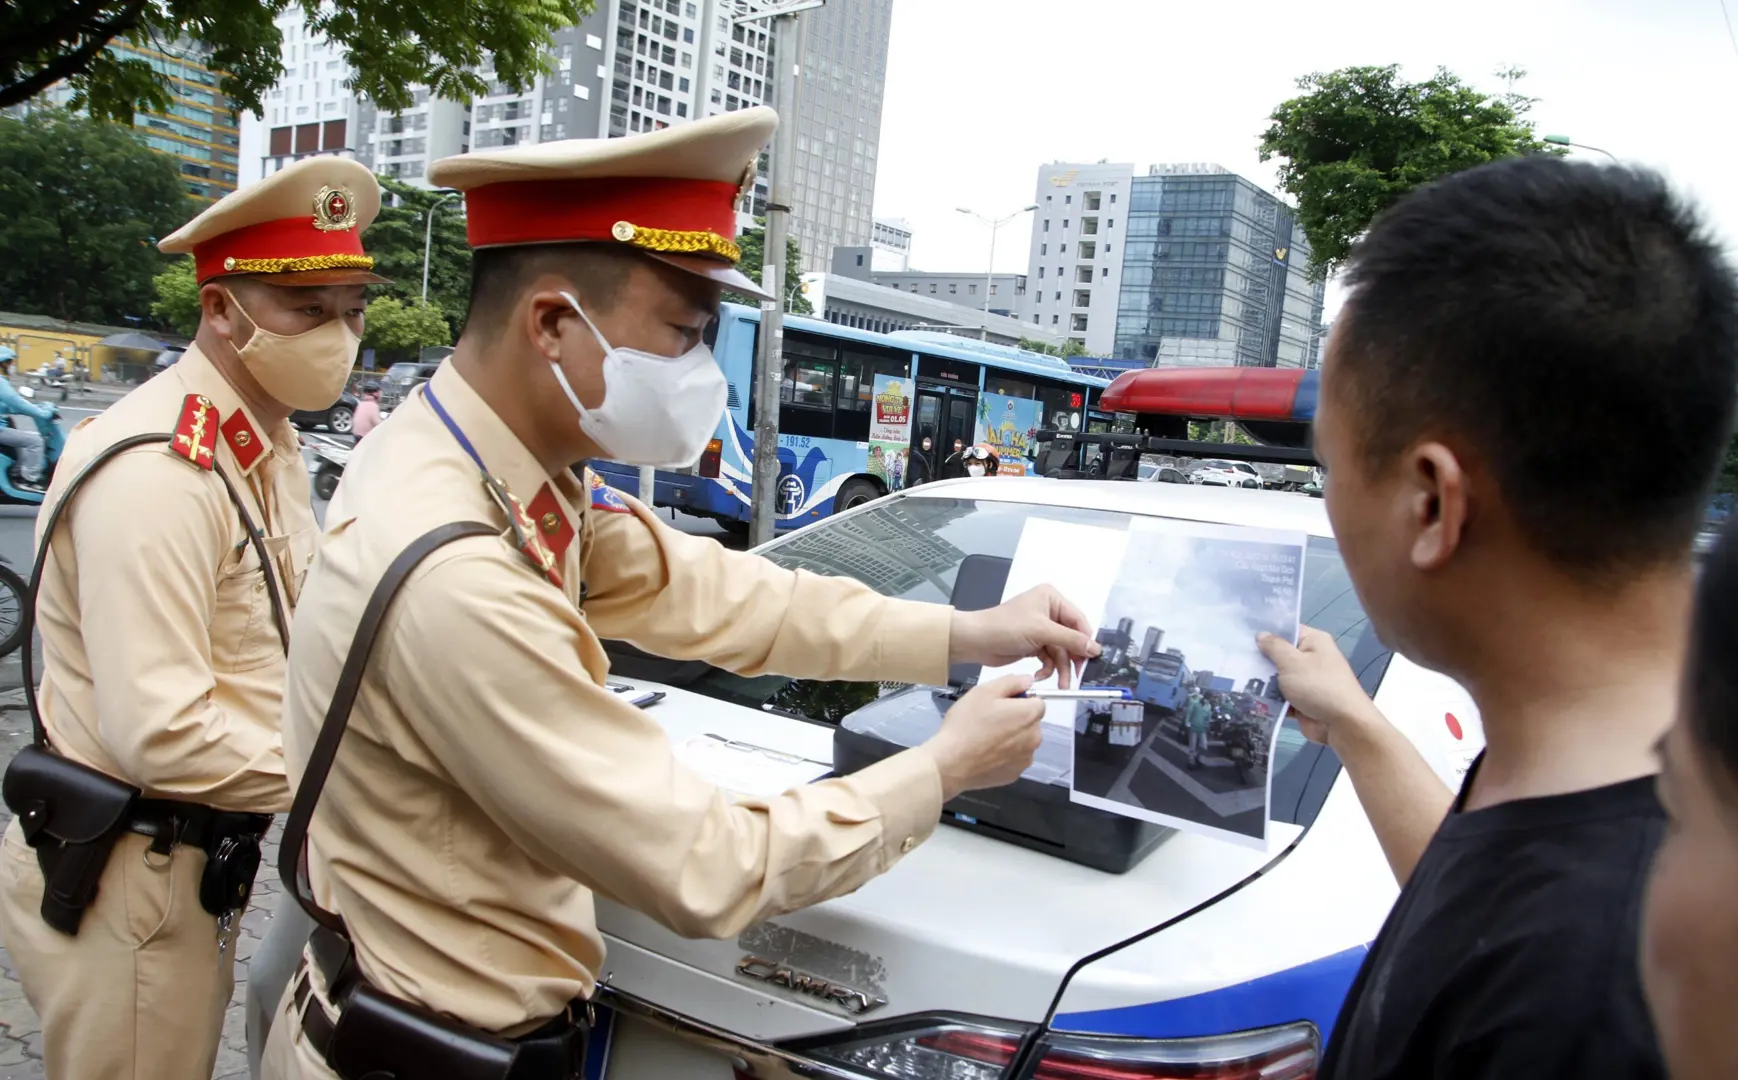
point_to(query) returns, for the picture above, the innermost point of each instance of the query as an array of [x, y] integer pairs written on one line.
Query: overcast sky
[[981, 92]]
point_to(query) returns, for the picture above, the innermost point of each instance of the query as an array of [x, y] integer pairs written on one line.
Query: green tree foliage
[[395, 240], [84, 204], [1068, 348], [177, 303], [391, 45], [753, 244], [1359, 138], [396, 330]]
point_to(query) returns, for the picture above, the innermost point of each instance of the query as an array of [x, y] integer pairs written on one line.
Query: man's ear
[[217, 310], [547, 313], [1436, 503]]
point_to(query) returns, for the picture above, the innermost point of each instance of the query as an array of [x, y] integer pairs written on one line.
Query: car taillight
[[709, 458], [957, 1051]]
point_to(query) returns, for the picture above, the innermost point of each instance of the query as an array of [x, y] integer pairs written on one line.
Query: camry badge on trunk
[[853, 1001]]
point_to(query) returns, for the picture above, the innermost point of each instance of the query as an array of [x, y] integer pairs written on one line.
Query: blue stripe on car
[[1312, 991]]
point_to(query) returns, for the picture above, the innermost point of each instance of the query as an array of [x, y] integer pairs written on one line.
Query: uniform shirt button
[[905, 848]]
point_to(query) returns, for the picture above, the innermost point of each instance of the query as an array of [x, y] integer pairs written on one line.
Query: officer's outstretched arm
[[589, 785], [153, 540], [687, 598]]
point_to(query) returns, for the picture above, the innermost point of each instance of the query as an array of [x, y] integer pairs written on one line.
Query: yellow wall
[[37, 347]]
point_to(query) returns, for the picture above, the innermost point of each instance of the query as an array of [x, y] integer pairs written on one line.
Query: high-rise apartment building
[[631, 66], [199, 129], [1187, 264], [839, 126]]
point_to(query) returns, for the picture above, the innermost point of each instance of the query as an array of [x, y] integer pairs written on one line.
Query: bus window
[[807, 385], [1064, 407], [857, 370], [806, 399], [997, 383]]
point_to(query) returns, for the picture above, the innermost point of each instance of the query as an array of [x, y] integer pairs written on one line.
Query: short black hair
[[1711, 682], [498, 274], [1574, 327]]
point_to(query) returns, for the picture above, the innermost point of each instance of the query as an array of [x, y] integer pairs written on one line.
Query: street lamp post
[[787, 37], [428, 239], [1564, 140], [989, 271]]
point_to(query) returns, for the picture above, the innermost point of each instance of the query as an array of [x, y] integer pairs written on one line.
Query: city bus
[[854, 405]]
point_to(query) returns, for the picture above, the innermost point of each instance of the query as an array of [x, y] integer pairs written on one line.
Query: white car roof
[[1229, 506]]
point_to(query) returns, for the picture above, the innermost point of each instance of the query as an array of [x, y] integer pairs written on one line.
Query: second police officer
[[490, 784]]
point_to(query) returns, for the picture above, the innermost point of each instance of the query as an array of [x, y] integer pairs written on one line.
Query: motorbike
[[53, 442], [13, 588], [326, 461]]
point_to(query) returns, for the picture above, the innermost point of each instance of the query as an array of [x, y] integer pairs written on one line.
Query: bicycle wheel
[[12, 592]]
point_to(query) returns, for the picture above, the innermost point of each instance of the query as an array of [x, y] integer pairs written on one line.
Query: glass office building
[[1214, 270]]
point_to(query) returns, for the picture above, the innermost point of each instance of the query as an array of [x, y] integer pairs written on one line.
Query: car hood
[[967, 923]]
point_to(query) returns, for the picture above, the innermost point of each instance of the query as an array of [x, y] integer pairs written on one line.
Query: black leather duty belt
[[168, 822], [555, 1051]]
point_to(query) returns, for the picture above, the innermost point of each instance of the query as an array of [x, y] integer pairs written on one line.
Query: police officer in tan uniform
[[490, 784], [163, 655]]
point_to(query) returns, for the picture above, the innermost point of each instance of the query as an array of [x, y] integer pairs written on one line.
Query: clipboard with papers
[[748, 771]]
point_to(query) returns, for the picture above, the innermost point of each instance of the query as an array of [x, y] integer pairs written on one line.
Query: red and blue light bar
[[1273, 394]]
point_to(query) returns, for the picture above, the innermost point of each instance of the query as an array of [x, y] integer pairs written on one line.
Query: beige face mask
[[304, 371]]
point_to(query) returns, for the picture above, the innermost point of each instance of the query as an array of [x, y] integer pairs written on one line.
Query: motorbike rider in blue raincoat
[[24, 444]]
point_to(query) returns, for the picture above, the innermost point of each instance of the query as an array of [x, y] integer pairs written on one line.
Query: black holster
[[379, 1037], [71, 815]]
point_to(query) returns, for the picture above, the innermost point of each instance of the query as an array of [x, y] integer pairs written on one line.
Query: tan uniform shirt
[[162, 665], [489, 784]]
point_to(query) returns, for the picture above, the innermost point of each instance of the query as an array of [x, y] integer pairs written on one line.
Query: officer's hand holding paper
[[1038, 623]]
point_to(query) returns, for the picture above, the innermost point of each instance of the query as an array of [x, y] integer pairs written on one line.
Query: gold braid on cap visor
[[676, 241], [294, 266]]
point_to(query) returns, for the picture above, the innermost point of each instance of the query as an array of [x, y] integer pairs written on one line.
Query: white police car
[[974, 950]]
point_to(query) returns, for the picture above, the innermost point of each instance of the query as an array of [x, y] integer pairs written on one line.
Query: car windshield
[[1218, 465], [912, 548], [402, 372]]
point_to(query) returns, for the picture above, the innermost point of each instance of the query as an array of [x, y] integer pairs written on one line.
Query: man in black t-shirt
[[1505, 330]]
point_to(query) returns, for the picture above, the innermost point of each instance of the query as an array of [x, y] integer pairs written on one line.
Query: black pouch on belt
[[230, 866], [380, 1036], [71, 815]]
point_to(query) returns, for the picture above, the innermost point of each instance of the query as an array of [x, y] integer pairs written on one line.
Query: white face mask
[[975, 470], [657, 410]]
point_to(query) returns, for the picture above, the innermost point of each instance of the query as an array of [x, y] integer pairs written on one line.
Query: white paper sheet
[[1081, 562], [747, 771]]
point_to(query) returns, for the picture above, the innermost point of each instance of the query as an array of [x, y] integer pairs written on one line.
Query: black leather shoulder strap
[[109, 454], [293, 851]]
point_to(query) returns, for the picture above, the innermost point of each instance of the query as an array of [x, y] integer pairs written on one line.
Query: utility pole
[[787, 59]]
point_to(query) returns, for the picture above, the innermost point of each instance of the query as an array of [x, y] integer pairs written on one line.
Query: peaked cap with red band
[[302, 225], [671, 194]]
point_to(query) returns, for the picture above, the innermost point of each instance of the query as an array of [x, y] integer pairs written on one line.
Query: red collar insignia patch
[[244, 442], [524, 530], [552, 524], [195, 437]]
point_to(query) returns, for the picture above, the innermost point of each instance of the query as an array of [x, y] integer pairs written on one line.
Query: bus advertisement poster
[[1009, 427], [890, 430]]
